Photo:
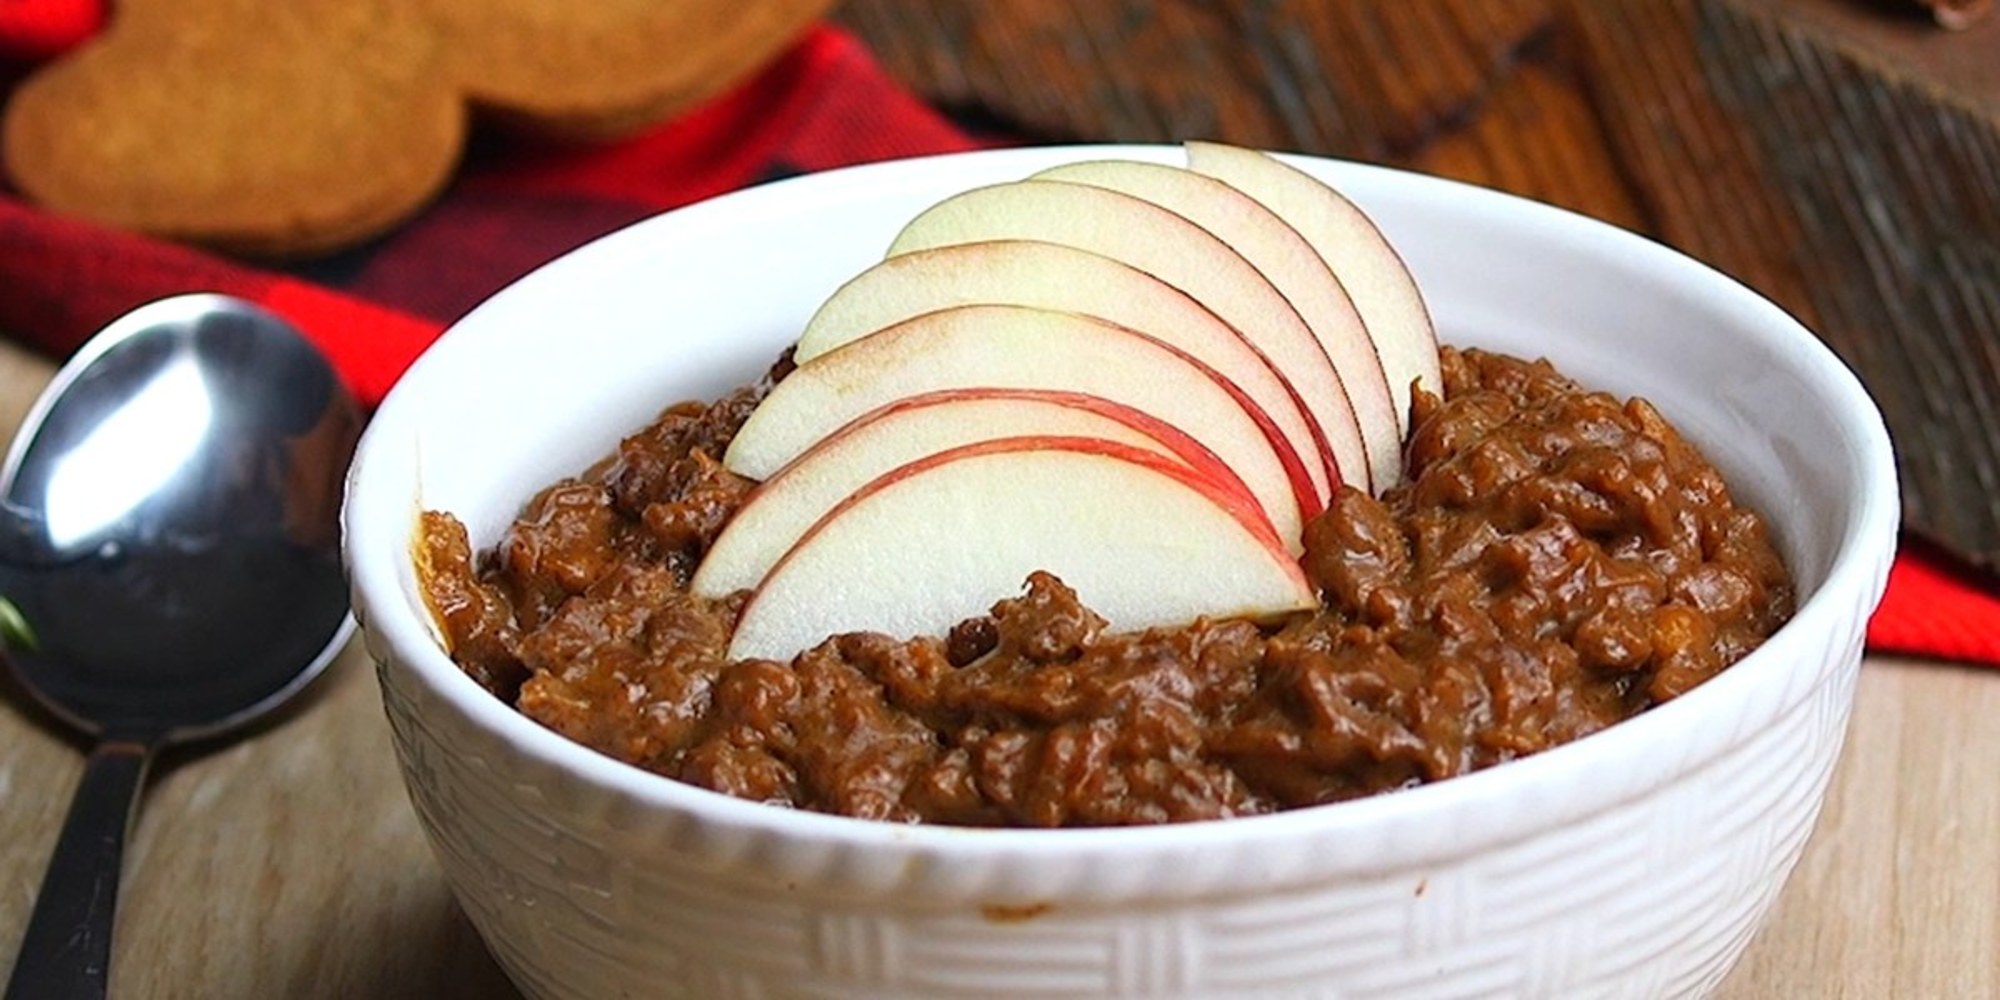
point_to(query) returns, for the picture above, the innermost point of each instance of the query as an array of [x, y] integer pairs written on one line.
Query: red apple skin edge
[[1193, 452], [1407, 347], [1043, 210], [940, 286], [1307, 495], [732, 562], [1259, 235], [984, 345], [1240, 507], [795, 617]]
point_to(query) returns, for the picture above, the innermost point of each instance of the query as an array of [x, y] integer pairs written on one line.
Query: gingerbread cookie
[[599, 68], [294, 128]]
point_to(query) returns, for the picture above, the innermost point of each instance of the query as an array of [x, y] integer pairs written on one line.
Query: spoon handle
[[66, 951]]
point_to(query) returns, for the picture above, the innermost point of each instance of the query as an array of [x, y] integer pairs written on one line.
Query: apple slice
[[1052, 276], [1161, 244], [1144, 541], [1003, 347], [1381, 284], [1277, 251], [910, 429]]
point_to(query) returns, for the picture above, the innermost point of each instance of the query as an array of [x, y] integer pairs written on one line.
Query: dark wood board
[[1840, 156]]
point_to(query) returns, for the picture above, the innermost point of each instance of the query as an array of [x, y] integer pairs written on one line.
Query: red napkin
[[37, 29], [825, 104]]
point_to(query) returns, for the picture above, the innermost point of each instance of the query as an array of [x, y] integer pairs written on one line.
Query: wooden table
[[290, 864]]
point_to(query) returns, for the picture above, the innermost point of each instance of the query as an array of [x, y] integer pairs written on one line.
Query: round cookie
[[257, 127], [293, 128], [605, 67]]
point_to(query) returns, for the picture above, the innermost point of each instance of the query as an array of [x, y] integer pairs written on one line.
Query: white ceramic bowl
[[1635, 862]]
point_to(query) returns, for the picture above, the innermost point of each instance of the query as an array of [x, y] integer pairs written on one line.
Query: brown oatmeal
[[1558, 560]]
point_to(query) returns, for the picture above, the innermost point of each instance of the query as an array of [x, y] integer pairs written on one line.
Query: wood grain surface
[[1843, 157]]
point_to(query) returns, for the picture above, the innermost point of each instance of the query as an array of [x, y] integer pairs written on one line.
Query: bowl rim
[[375, 536]]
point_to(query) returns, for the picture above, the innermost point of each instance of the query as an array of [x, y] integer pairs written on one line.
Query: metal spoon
[[168, 546]]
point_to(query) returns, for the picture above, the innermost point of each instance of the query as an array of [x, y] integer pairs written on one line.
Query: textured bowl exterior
[[1636, 862], [581, 892]]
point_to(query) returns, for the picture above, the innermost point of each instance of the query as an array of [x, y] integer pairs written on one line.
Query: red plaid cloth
[[512, 208], [825, 104]]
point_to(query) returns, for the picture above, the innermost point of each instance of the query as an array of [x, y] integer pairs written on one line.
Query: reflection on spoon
[[130, 455]]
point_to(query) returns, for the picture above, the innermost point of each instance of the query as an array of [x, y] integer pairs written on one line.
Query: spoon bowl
[[169, 549]]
